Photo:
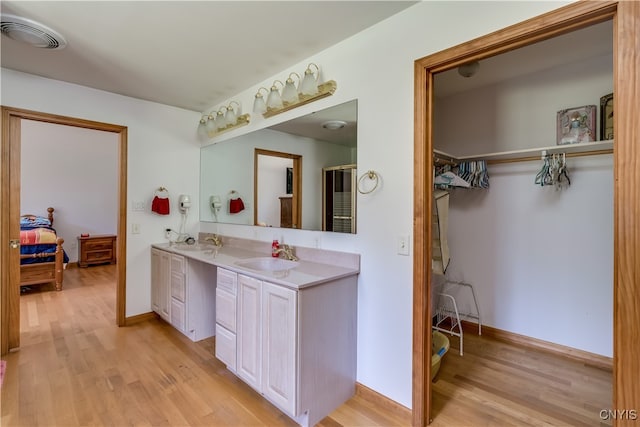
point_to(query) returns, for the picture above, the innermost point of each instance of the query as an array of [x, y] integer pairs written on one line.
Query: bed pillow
[[34, 221]]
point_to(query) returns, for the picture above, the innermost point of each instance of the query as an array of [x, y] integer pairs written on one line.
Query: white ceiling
[[589, 42], [188, 54]]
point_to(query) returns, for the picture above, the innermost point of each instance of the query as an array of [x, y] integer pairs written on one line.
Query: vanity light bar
[[324, 89], [243, 120]]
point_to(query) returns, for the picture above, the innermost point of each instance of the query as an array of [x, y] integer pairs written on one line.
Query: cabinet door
[[226, 347], [279, 332], [160, 287], [248, 335], [226, 309]]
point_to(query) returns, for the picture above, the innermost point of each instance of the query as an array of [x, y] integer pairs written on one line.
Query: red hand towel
[[236, 205], [160, 205]]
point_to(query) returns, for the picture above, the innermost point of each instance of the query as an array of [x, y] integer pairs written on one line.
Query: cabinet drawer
[[95, 256], [98, 244], [177, 263], [178, 315], [227, 280], [226, 309], [178, 286], [226, 347]]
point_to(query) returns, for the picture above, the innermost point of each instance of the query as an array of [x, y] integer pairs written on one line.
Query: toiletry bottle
[[274, 247]]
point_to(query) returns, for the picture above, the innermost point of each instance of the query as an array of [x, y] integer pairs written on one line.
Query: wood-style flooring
[[75, 367]]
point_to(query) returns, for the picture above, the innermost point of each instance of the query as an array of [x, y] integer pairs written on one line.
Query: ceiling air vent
[[31, 32]]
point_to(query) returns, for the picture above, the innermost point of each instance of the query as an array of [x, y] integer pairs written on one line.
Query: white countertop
[[305, 274]]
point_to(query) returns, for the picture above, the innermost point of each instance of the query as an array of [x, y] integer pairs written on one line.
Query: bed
[[42, 257]]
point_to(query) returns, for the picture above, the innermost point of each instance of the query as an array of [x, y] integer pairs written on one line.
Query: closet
[[542, 259]]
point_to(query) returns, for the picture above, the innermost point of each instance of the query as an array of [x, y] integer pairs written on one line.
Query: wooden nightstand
[[96, 249]]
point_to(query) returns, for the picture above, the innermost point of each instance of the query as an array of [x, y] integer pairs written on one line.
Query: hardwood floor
[[497, 383], [77, 368]]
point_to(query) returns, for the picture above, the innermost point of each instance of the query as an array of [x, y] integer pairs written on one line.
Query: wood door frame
[[626, 276], [10, 213], [296, 202]]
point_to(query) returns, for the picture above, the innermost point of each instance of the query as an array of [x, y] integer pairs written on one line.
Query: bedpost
[[59, 266], [50, 210]]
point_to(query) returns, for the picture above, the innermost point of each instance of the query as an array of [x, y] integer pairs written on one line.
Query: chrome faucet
[[215, 239], [287, 252]]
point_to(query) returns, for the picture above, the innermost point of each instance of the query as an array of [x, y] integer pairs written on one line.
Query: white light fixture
[[259, 106], [31, 32], [309, 89], [202, 127], [309, 85], [290, 91], [469, 69], [274, 100], [334, 124], [224, 119], [221, 123], [231, 116]]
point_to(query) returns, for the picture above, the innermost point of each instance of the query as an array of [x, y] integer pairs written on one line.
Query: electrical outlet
[[403, 245]]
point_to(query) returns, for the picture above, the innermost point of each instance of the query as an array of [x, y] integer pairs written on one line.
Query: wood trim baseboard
[[383, 401], [138, 318], [591, 359]]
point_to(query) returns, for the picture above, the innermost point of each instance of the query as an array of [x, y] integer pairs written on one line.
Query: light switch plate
[[403, 245], [137, 206]]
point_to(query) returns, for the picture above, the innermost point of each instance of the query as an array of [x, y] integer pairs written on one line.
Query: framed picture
[[606, 117], [575, 125], [289, 181]]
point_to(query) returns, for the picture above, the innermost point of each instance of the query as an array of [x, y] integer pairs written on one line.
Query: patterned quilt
[[37, 236]]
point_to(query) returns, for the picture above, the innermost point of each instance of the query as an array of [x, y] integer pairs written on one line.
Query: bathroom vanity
[[288, 329]]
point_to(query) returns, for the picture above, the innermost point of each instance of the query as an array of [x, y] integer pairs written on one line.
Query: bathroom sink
[[267, 264]]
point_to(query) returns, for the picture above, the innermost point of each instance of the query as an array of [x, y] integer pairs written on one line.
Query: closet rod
[[532, 158], [438, 160]]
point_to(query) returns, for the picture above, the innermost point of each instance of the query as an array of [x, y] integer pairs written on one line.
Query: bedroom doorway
[[10, 213], [626, 17]]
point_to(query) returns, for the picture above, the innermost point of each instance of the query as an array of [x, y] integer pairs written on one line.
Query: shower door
[[339, 199]]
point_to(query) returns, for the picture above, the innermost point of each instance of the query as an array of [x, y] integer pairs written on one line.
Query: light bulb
[[202, 127], [221, 123], [259, 105], [290, 92], [309, 85], [211, 123], [230, 117], [274, 100]]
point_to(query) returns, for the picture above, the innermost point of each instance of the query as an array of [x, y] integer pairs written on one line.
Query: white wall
[[375, 67], [272, 185], [73, 170], [162, 151]]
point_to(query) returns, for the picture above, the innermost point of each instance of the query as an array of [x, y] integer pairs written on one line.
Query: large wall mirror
[[277, 176]]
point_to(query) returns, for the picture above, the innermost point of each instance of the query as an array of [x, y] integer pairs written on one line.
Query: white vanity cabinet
[[297, 347], [183, 293], [226, 317], [249, 360], [279, 338], [160, 276]]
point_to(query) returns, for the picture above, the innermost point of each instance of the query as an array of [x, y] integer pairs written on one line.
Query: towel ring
[[372, 175]]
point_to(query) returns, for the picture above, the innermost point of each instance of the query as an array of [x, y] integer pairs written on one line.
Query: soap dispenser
[[274, 248]]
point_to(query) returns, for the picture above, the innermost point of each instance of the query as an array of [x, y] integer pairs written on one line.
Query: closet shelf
[[583, 148]]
